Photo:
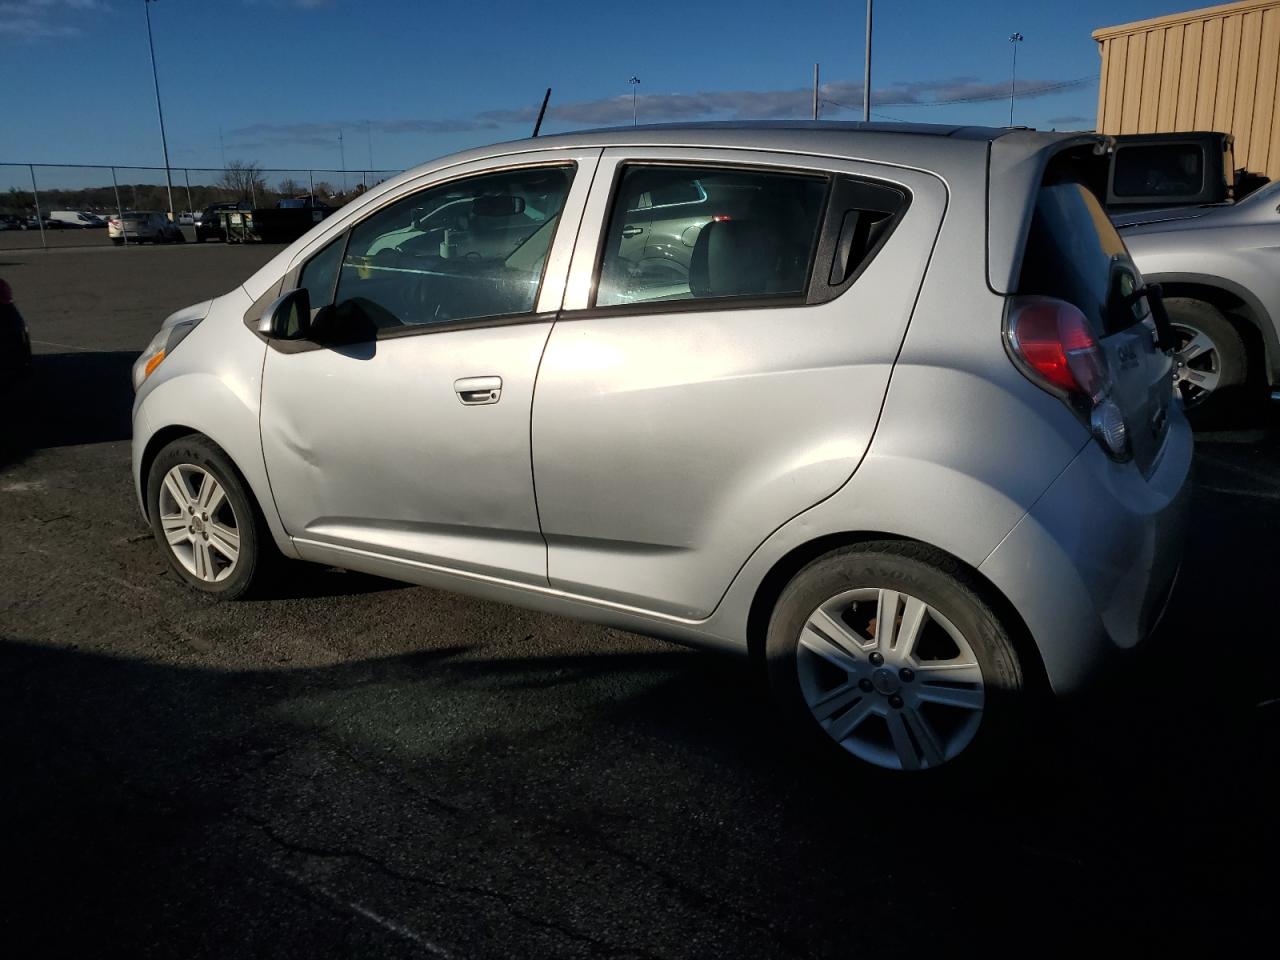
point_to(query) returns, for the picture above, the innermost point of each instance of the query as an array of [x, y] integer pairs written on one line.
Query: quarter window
[[464, 250], [694, 233], [321, 273]]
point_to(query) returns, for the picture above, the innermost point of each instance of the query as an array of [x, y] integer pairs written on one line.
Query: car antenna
[[542, 112]]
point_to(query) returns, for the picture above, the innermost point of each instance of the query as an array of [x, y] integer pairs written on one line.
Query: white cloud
[[840, 99], [43, 19]]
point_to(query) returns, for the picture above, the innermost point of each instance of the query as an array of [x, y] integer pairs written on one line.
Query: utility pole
[[1014, 40], [866, 72], [815, 91], [155, 76], [223, 146], [635, 82], [342, 158], [368, 132]]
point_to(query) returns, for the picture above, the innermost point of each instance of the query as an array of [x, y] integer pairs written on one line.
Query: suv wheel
[[204, 520], [885, 652], [1209, 355]]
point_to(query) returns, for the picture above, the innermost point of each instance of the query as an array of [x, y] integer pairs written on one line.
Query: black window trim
[[821, 251]]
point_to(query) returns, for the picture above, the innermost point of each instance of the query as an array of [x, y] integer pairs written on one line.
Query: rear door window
[[1074, 253], [697, 233]]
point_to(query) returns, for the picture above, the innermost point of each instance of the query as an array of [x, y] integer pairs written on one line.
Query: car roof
[[829, 137]]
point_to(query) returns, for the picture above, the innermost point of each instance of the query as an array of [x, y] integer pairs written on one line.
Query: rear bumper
[[1091, 567]]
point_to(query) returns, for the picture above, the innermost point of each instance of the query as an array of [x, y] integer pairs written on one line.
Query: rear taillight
[[1053, 345]]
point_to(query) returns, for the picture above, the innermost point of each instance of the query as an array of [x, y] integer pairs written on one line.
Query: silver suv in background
[[907, 441], [1219, 268]]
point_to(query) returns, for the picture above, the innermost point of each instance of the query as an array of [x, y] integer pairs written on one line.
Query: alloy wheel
[[1197, 365], [890, 679], [199, 523]]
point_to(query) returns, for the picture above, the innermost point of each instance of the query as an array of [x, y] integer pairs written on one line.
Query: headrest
[[734, 258]]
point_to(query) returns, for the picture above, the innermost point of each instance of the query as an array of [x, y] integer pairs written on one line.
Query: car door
[[677, 422], [401, 427]]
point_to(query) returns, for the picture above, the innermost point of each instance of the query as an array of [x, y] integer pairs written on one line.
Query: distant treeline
[[150, 196]]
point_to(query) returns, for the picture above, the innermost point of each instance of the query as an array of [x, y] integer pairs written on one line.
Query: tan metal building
[[1215, 68]]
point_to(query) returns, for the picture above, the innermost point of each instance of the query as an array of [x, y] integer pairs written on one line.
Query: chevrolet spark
[[887, 408]]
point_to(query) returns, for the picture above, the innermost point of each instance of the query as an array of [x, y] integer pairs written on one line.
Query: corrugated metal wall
[[1211, 69]]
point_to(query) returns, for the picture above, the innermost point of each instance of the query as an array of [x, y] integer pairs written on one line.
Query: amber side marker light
[[152, 364]]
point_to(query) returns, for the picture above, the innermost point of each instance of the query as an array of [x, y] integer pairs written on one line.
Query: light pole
[[164, 144], [866, 72], [342, 159], [635, 82], [1014, 40]]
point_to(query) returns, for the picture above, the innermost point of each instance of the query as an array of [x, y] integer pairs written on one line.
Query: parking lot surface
[[355, 767]]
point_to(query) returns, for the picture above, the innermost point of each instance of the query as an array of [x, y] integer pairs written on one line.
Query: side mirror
[[289, 318]]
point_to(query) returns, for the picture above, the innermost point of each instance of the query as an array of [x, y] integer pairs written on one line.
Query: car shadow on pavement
[[68, 399], [636, 804]]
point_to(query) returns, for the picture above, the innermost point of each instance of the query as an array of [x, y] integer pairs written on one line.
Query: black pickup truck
[[1196, 168]]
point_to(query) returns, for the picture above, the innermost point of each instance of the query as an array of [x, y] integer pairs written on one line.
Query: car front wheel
[[884, 652], [205, 520]]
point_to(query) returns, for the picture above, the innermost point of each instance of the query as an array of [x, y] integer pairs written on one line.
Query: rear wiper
[[1154, 293]]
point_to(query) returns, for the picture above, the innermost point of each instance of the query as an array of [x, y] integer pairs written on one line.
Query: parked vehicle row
[[810, 393]]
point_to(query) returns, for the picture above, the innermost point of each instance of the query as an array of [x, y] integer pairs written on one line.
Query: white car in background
[[145, 226]]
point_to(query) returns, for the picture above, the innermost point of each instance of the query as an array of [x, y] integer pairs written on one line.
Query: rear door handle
[[475, 391], [632, 231]]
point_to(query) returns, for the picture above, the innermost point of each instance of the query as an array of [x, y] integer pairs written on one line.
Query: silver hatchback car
[[898, 425]]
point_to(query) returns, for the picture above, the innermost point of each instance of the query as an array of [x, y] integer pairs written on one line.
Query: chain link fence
[[39, 203]]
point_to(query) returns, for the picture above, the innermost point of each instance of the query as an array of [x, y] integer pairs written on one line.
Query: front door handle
[[632, 231], [475, 391]]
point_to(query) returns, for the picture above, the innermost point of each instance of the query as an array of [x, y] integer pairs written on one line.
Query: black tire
[[117, 241], [257, 552], [1229, 358], [199, 237], [945, 585]]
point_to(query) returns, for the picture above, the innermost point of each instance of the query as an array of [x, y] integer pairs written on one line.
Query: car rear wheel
[[1209, 354], [205, 521], [885, 653]]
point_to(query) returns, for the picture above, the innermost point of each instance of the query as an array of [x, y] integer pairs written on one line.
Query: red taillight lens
[[1053, 339]]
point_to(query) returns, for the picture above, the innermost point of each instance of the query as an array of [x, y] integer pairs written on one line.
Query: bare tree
[[290, 187], [243, 180]]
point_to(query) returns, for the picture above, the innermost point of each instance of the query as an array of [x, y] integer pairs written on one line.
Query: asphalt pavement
[[355, 767]]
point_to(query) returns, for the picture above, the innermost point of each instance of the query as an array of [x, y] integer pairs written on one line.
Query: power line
[[882, 116]]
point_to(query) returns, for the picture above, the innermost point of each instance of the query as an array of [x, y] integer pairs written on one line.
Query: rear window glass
[[692, 233], [1074, 253], [1164, 170]]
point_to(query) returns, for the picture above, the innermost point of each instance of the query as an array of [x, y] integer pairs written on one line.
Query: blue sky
[[415, 79]]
